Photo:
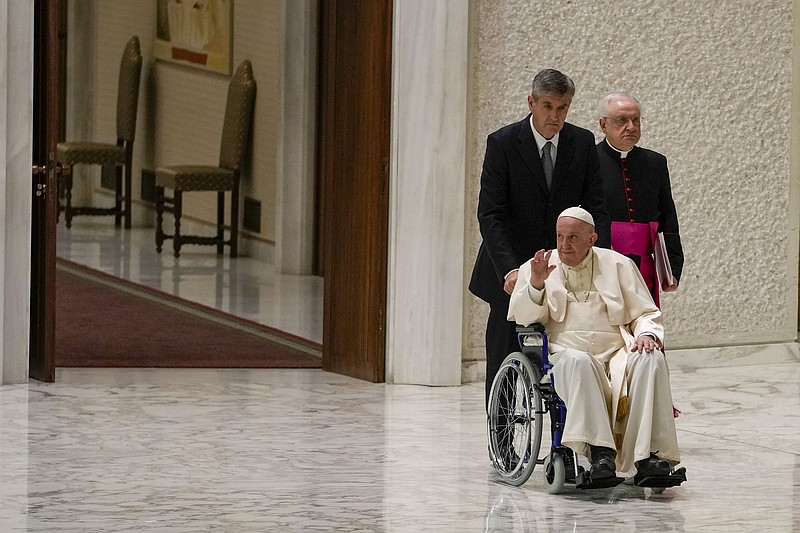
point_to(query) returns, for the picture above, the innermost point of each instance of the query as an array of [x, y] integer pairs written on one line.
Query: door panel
[[44, 189], [355, 88]]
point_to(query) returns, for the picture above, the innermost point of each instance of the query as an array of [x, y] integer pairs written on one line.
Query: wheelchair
[[522, 393]]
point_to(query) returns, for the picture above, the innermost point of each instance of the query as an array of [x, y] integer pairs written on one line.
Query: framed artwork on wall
[[197, 33]]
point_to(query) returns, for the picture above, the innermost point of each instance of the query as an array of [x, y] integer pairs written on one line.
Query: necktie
[[547, 163]]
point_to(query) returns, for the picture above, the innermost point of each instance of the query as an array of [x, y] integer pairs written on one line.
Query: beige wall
[[181, 108], [715, 81]]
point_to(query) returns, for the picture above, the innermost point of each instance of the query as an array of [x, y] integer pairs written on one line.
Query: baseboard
[[473, 371], [721, 356], [690, 358]]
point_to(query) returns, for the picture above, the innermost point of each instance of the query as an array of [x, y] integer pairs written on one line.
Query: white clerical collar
[[583, 264], [541, 140], [622, 155]]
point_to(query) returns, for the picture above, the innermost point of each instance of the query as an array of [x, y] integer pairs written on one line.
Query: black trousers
[[501, 340]]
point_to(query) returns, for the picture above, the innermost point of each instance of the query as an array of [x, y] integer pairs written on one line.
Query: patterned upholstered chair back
[[225, 177], [130, 73], [238, 116], [117, 156]]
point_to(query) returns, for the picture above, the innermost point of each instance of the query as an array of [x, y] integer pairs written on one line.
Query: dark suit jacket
[[516, 213], [646, 197]]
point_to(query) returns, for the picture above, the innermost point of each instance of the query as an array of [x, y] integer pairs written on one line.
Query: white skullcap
[[579, 213]]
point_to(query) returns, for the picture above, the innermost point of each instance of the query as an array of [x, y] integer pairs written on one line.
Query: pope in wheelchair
[[600, 360]]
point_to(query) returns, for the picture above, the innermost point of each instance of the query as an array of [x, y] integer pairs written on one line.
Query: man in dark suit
[[533, 170], [638, 191]]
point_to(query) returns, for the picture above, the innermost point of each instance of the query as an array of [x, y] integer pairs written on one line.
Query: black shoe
[[603, 465], [603, 472], [651, 467]]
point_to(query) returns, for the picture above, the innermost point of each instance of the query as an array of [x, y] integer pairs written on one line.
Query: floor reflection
[[242, 287], [181, 450]]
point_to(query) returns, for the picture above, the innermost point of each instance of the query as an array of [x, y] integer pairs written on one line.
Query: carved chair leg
[[177, 208], [220, 222], [60, 180], [128, 174], [118, 196], [159, 217], [235, 218], [68, 201]]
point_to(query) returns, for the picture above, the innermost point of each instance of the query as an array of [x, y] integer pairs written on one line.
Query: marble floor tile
[[177, 450]]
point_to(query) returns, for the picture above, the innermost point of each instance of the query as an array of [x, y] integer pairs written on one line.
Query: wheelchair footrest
[[670, 480], [584, 481]]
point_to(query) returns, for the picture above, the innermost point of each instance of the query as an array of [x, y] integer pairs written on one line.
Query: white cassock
[[614, 397]]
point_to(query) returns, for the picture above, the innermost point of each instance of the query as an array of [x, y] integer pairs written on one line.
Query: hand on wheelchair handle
[[540, 268], [511, 280]]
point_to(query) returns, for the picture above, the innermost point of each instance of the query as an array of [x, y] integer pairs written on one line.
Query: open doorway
[[122, 253], [179, 121]]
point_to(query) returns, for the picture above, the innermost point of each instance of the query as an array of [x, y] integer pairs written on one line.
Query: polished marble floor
[[176, 450], [305, 450]]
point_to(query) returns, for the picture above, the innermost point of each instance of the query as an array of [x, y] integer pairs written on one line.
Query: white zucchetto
[[579, 213]]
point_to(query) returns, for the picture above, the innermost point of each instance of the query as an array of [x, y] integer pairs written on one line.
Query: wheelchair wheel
[[515, 419], [554, 473]]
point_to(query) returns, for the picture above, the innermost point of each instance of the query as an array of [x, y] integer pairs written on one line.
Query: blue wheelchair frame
[[555, 476], [552, 402], [509, 415]]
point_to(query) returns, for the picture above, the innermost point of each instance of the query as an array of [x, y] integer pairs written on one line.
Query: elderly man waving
[[605, 334]]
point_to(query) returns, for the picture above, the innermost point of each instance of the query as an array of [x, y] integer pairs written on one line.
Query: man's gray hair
[[553, 82], [605, 102]]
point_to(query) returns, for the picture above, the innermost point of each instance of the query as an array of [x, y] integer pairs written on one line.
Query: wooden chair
[[222, 178], [119, 155]]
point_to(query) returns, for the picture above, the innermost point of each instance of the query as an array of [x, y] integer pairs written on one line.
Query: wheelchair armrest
[[532, 328], [532, 341]]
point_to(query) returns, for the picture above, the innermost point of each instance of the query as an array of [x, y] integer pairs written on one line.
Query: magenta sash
[[638, 238]]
